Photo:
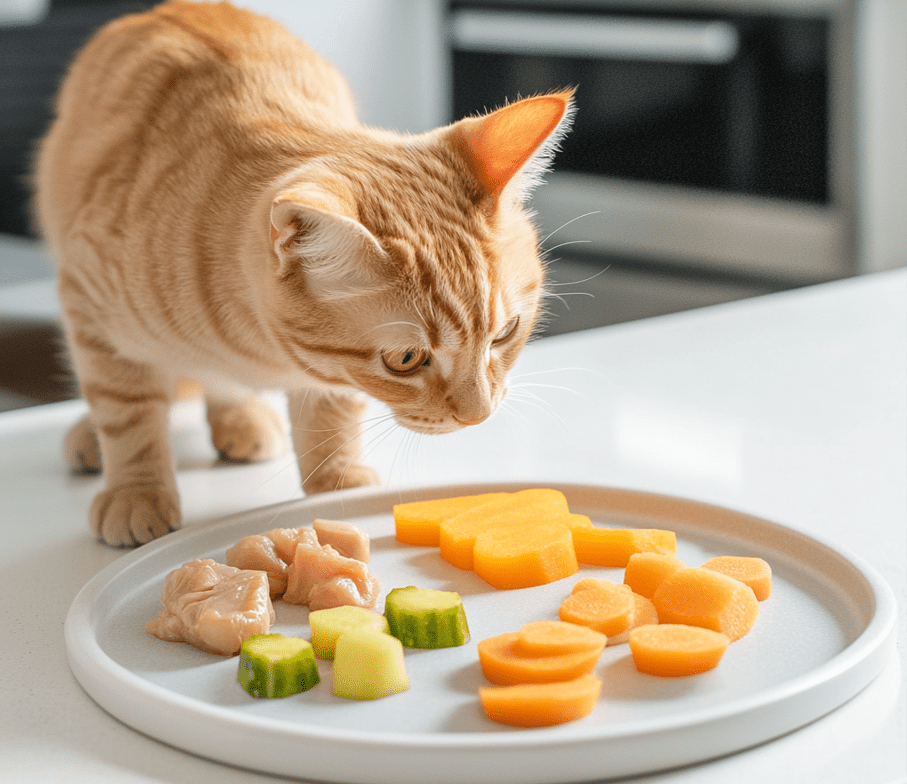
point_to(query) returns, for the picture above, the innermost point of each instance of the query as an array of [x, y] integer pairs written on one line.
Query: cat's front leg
[[327, 437], [130, 406]]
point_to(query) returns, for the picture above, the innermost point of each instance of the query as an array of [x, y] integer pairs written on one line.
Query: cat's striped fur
[[218, 213]]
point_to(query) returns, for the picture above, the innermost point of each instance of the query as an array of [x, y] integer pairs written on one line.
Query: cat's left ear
[[316, 229], [513, 146]]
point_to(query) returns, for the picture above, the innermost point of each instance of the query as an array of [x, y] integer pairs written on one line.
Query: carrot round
[[418, 522], [614, 546], [645, 571], [553, 638], [522, 556], [644, 614], [673, 650], [607, 609], [754, 572], [504, 666], [541, 704], [701, 597]]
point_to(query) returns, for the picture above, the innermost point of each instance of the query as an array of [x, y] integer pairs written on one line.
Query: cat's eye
[[507, 332], [404, 360]]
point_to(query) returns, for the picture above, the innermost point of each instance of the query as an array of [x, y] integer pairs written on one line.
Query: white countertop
[[792, 407]]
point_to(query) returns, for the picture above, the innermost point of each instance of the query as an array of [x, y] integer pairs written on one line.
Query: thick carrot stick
[[614, 546], [522, 556], [418, 522], [701, 597]]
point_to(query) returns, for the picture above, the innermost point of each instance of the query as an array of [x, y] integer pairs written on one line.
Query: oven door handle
[[587, 35]]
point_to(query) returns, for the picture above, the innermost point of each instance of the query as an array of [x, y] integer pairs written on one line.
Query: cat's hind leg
[[327, 437], [245, 428]]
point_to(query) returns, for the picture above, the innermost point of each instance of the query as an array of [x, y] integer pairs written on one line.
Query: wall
[[391, 52]]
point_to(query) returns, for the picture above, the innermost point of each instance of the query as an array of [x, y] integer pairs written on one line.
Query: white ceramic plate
[[821, 638]]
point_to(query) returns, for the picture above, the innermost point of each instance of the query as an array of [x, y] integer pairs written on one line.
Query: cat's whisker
[[564, 244], [526, 397], [572, 220]]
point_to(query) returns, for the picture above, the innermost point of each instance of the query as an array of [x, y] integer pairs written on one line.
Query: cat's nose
[[473, 421]]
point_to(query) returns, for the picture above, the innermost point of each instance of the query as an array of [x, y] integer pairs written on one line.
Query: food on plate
[[457, 534], [674, 650], [213, 606], [418, 522], [348, 539], [551, 638], [522, 556], [368, 665], [426, 618], [541, 704], [644, 614], [645, 571], [614, 546], [258, 553], [274, 666], [504, 665], [607, 608], [702, 597], [327, 625], [319, 577], [754, 572], [286, 540]]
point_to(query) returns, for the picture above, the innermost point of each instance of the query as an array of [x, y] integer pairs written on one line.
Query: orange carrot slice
[[754, 572], [607, 609], [644, 614], [503, 666], [541, 704], [673, 650], [417, 522], [598, 582], [701, 597], [645, 571], [522, 556], [457, 535], [553, 638], [614, 546]]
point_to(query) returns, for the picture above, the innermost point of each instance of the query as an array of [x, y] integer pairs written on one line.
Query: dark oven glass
[[752, 119]]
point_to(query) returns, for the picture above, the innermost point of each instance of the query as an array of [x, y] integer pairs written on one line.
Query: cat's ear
[[514, 145], [315, 229]]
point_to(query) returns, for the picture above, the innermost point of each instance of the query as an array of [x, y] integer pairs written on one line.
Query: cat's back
[[156, 87]]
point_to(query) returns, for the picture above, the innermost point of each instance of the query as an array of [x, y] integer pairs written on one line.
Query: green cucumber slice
[[368, 665], [426, 618], [274, 666]]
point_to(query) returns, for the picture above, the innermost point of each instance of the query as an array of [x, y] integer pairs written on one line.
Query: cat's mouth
[[428, 426]]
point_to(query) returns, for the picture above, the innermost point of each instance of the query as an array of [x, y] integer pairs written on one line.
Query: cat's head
[[411, 269]]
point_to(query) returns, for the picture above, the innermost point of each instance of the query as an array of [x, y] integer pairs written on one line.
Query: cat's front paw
[[247, 432], [328, 479], [129, 515]]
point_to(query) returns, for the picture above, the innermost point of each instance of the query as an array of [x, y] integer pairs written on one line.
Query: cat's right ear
[[316, 231], [512, 147]]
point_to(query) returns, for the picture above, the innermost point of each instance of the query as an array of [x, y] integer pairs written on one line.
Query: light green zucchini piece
[[271, 665], [426, 618], [368, 665], [327, 625]]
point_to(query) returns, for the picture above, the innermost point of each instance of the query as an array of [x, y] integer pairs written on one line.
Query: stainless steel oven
[[710, 134]]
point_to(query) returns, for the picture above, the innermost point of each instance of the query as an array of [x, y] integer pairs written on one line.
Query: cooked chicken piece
[[321, 578], [213, 606], [286, 539], [258, 553], [346, 538]]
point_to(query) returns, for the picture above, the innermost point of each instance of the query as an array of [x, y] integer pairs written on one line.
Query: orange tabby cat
[[217, 212]]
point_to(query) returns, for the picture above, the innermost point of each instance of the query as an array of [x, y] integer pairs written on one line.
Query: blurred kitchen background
[[722, 149]]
